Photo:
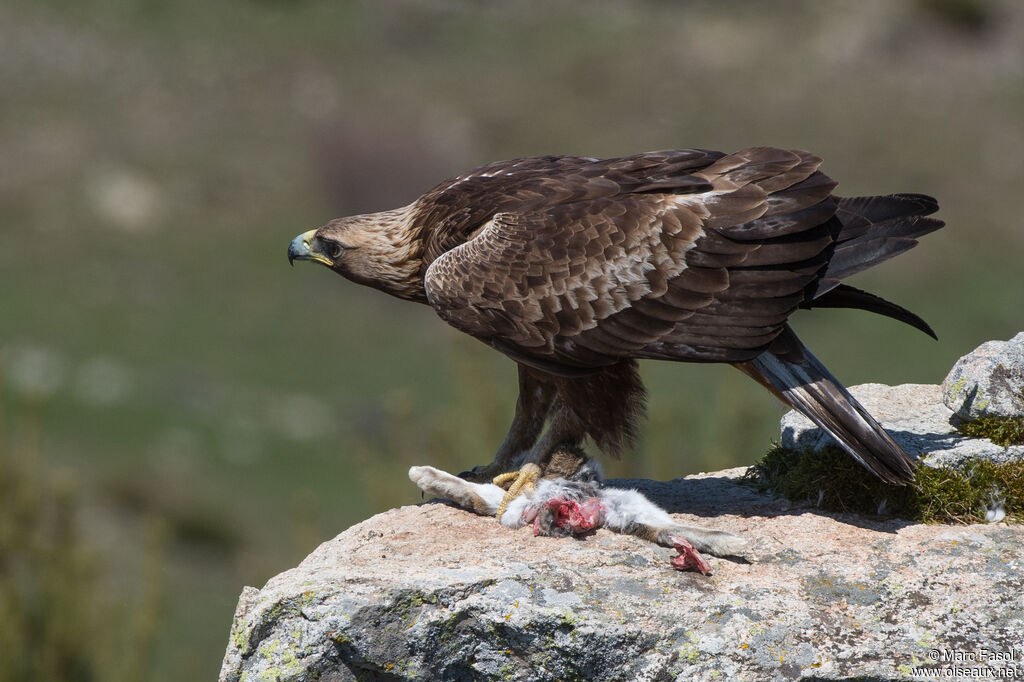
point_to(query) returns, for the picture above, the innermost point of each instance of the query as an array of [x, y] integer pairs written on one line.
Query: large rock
[[916, 418], [988, 381], [435, 592]]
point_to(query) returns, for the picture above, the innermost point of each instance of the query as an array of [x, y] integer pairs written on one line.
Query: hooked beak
[[307, 247]]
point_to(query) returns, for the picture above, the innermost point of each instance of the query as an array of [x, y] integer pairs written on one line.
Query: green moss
[[832, 480], [1003, 431]]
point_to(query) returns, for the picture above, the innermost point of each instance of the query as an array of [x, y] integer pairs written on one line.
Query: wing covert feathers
[[624, 251], [796, 377], [569, 264]]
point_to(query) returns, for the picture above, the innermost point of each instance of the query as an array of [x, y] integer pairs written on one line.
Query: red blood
[[572, 516], [688, 557]]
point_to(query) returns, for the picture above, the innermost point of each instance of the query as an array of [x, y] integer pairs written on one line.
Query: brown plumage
[[577, 267]]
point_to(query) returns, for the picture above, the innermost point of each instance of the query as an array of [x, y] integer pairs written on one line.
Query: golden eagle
[[577, 267]]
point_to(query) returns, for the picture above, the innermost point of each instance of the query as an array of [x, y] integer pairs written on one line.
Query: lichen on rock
[[988, 382]]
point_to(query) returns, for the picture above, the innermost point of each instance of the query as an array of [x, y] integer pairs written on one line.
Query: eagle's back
[[570, 263], [455, 210]]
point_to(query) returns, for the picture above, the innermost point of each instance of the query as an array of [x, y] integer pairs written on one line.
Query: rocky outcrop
[[435, 592], [988, 382]]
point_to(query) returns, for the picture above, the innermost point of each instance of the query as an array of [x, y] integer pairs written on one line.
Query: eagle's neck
[[392, 252]]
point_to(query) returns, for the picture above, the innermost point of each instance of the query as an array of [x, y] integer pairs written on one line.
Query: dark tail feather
[[790, 371], [845, 296], [875, 229], [876, 209]]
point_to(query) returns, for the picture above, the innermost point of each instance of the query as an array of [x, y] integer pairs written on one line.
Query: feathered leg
[[790, 371], [605, 405], [532, 408]]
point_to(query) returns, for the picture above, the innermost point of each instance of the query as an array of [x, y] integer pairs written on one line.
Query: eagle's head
[[335, 245], [377, 250]]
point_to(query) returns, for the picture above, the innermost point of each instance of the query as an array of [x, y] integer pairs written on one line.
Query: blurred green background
[[182, 414]]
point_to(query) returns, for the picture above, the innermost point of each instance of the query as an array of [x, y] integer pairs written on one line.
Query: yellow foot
[[518, 483]]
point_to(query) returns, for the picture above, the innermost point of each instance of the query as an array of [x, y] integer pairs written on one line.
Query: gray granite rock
[[916, 418], [988, 381], [434, 592]]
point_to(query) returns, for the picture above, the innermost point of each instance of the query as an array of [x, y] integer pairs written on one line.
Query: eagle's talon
[[516, 483], [507, 479]]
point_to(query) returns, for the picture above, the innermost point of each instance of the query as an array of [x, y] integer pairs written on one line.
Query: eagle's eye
[[332, 249]]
